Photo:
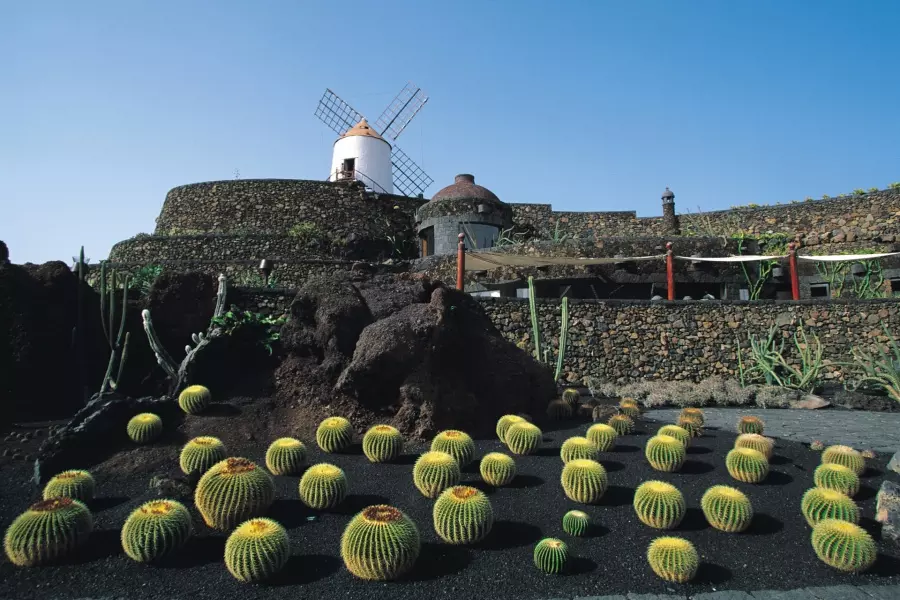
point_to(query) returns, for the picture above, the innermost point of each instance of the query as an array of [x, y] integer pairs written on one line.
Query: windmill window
[[895, 287], [349, 165]]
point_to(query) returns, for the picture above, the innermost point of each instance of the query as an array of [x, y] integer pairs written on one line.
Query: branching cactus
[[286, 456], [258, 549], [524, 438], [578, 447], [382, 443], [727, 509], [818, 504], [144, 428], [76, 484], [323, 486], [200, 454], [156, 530], [551, 556], [846, 456], [603, 436], [434, 472], [844, 546], [463, 515], [457, 444], [334, 434], [497, 469], [584, 481], [673, 559], [836, 477], [659, 504], [381, 543], [232, 491], [194, 399], [504, 423], [665, 453], [48, 531]]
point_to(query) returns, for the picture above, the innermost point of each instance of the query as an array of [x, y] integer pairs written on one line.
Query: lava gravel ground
[[774, 554]]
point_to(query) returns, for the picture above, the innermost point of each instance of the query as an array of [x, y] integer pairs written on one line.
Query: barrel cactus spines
[[144, 428], [334, 434], [603, 436], [286, 456], [194, 399], [673, 559], [323, 486], [155, 530], [47, 531], [846, 456], [628, 406], [693, 413], [679, 433], [623, 424], [434, 472], [831, 476], [665, 453], [524, 438], [463, 515], [559, 410], [579, 447], [76, 484], [504, 423], [747, 465], [692, 425], [232, 491], [757, 442], [382, 443], [659, 504], [817, 445], [551, 556], [818, 504], [571, 396], [497, 469], [727, 509], [584, 481], [576, 523], [844, 546], [457, 444], [380, 543], [200, 454], [750, 424], [258, 549]]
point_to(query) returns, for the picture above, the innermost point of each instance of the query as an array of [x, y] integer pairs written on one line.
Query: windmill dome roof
[[464, 187], [668, 195], [363, 129]]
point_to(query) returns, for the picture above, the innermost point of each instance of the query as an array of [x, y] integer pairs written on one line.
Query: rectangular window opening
[[818, 290]]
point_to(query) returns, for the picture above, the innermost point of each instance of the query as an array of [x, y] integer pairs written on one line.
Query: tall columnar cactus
[[584, 481], [194, 399], [659, 504], [286, 456], [563, 338], [497, 469], [623, 424], [382, 443], [673, 559], [818, 504], [232, 491], [627, 406], [155, 530], [579, 447], [200, 454], [323, 486], [750, 424], [504, 423], [334, 434], [258, 549], [457, 444], [117, 345], [692, 425], [844, 546], [576, 523], [463, 515], [727, 509], [380, 543], [665, 453], [535, 327], [76, 484], [144, 428], [559, 410], [434, 472], [603, 436], [47, 531], [756, 441], [679, 433], [551, 556], [836, 477], [845, 456], [571, 396], [524, 438], [747, 465], [694, 413]]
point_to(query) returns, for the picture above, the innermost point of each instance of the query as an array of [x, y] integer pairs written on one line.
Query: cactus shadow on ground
[[510, 534], [439, 560]]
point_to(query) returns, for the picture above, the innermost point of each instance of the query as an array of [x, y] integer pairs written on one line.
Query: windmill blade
[[401, 111], [336, 113], [409, 177]]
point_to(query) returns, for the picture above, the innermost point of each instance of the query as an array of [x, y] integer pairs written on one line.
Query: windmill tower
[[370, 154]]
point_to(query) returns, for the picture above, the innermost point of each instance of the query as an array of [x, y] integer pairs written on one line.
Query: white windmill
[[362, 152]]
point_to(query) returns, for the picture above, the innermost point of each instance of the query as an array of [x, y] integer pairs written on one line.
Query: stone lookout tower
[[461, 207], [362, 154]]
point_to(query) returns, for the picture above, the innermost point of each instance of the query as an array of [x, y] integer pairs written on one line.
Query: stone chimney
[[673, 227]]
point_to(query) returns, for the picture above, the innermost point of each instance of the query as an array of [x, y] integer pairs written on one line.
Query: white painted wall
[[373, 161]]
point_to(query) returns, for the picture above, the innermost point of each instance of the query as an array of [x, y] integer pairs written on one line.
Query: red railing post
[[670, 271], [460, 261], [792, 267]]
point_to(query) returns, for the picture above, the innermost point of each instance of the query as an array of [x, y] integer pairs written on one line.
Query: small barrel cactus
[[463, 515], [382, 443], [627, 406], [559, 410], [818, 504], [76, 484], [603, 436], [524, 438], [750, 424], [844, 546], [831, 476], [584, 480], [144, 428], [232, 491], [334, 434], [679, 433], [551, 556], [578, 447], [434, 472], [155, 530], [576, 523], [665, 453], [692, 425], [497, 469], [756, 441], [817, 445], [747, 465], [504, 423], [200, 454], [623, 424], [47, 531], [323, 486], [286, 456], [693, 413], [571, 396], [194, 399], [258, 549], [659, 504], [727, 509], [673, 559], [846, 456], [457, 444], [380, 543], [868, 454]]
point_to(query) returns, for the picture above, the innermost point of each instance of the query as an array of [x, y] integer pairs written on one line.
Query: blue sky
[[593, 105]]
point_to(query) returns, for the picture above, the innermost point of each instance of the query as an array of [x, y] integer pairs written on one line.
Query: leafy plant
[[768, 363], [873, 189], [859, 192], [895, 185], [265, 328], [143, 278], [879, 369]]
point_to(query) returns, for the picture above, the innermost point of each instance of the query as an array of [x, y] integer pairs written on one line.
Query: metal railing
[[356, 175]]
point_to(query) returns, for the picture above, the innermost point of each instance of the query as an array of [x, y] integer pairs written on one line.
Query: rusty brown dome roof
[[464, 187]]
